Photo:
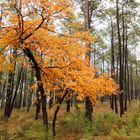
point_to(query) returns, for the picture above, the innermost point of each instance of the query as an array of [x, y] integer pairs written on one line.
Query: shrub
[[103, 124], [75, 124], [4, 134]]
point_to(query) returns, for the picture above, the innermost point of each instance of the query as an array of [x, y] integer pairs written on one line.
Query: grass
[[74, 126]]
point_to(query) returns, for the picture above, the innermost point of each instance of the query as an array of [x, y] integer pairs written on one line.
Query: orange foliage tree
[[58, 58]]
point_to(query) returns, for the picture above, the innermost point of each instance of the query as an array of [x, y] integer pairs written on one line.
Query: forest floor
[[73, 126]]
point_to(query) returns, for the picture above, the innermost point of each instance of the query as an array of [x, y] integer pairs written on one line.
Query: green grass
[[74, 126]]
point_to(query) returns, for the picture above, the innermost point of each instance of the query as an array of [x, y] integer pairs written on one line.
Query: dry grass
[[22, 126]]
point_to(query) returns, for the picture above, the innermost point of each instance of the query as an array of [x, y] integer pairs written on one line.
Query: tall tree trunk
[[25, 89], [88, 104], [16, 90], [20, 91], [29, 101], [113, 97], [9, 89], [3, 95], [37, 105], [131, 80], [125, 73], [120, 58], [28, 52], [136, 84]]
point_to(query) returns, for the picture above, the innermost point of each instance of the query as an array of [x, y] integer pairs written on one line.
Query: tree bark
[[56, 112], [9, 89], [88, 104], [120, 58], [28, 52], [16, 90]]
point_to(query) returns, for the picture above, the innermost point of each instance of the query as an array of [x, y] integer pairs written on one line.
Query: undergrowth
[[73, 126]]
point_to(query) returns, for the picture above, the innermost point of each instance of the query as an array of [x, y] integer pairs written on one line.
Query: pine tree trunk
[[16, 90], [10, 89], [88, 104], [120, 58], [29, 101], [25, 89]]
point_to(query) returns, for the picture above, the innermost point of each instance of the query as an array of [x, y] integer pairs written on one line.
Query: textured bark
[[131, 81], [37, 105], [88, 104], [112, 62], [29, 101], [10, 89], [28, 52], [125, 72], [120, 58], [16, 90], [3, 96], [25, 89], [20, 91]]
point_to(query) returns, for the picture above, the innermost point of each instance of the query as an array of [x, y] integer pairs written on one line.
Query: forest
[[69, 69]]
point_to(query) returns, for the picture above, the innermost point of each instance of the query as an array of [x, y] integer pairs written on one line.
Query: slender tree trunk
[[131, 80], [112, 62], [16, 90], [51, 100], [38, 104], [68, 104], [25, 89], [120, 58], [56, 112], [30, 93], [9, 89], [88, 104], [125, 73], [128, 83], [136, 84], [21, 91], [3, 96]]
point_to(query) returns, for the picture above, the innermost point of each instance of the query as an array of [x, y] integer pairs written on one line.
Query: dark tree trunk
[[56, 112], [115, 101], [68, 104], [125, 73], [51, 100], [88, 109], [112, 62], [28, 52], [16, 90], [30, 93], [120, 58], [37, 105], [88, 103], [20, 91], [3, 96], [131, 80], [9, 90], [136, 84], [25, 89]]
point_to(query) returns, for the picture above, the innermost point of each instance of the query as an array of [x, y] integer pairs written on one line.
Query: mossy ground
[[73, 126]]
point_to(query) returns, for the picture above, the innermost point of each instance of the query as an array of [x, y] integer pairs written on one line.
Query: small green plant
[[136, 120], [5, 134], [75, 124], [103, 124]]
